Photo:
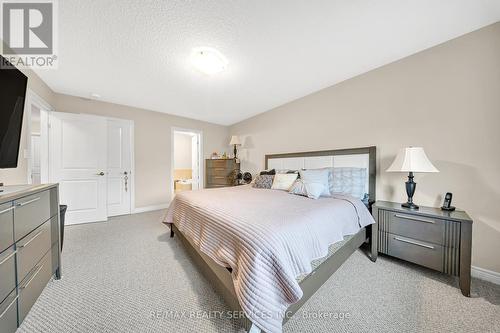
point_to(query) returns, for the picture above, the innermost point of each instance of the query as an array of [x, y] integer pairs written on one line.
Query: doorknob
[[100, 173]]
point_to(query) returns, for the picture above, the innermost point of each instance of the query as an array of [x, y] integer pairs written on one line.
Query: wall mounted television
[[13, 85]]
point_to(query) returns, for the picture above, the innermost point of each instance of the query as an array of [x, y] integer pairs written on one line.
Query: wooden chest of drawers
[[220, 172], [429, 237]]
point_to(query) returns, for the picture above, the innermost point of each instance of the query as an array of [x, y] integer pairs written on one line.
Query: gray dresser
[[29, 249], [430, 237], [220, 172]]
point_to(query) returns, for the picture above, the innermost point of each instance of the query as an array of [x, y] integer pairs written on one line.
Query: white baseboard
[[150, 208], [485, 274]]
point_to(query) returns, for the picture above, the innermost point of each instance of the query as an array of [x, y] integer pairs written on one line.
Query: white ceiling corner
[[136, 53]]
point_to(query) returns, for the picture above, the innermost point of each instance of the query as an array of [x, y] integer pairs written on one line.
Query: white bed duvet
[[267, 238]]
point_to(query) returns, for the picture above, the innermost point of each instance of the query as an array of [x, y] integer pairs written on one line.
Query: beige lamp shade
[[235, 140], [412, 159]]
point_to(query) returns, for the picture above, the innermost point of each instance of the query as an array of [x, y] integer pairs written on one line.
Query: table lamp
[[235, 141], [411, 159]]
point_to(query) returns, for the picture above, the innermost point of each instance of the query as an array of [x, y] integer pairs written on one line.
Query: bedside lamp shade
[[411, 159], [235, 140]]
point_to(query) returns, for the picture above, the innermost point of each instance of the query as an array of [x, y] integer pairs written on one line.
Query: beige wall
[[152, 142], [446, 99]]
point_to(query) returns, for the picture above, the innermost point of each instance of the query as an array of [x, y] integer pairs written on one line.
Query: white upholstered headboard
[[352, 158]]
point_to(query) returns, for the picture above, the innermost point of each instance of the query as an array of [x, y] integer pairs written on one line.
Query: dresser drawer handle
[[32, 277], [220, 177], [8, 257], [20, 204], [414, 243], [414, 218], [6, 210], [32, 239], [8, 307]]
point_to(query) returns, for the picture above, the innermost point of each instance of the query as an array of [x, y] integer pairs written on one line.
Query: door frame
[[201, 161], [33, 98]]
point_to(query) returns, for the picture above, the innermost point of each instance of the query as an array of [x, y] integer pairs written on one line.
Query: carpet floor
[[127, 275]]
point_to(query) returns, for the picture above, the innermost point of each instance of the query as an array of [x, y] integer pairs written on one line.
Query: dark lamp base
[[409, 205]]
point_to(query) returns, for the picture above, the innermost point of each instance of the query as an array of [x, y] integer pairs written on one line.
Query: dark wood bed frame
[[220, 277]]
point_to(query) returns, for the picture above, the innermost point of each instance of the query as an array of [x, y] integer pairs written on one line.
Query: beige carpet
[[127, 275]]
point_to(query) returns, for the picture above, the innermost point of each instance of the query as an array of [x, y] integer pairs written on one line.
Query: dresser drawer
[[225, 164], [8, 314], [416, 251], [32, 248], [214, 172], [219, 180], [30, 212], [417, 227], [7, 272], [32, 287], [6, 226], [217, 186]]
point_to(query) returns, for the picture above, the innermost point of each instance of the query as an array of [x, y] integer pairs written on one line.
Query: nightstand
[[428, 237]]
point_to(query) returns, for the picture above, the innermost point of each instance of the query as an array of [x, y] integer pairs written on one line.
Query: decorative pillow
[[263, 181], [271, 172], [298, 188], [310, 190], [283, 181], [350, 181], [319, 176], [287, 171]]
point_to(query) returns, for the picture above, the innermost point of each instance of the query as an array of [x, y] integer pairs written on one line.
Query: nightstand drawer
[[417, 227], [416, 251]]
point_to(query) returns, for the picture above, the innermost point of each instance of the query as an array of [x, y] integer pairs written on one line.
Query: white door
[[195, 162], [77, 159], [119, 167]]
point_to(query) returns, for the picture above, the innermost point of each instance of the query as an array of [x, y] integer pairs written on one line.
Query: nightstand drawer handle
[[414, 243], [414, 218]]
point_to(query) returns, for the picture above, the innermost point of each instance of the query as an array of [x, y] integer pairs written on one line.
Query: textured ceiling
[[136, 52]]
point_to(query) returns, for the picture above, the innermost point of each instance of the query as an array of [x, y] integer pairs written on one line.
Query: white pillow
[[283, 181], [310, 190], [318, 176]]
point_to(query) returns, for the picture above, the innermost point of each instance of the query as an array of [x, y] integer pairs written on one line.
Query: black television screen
[[12, 95]]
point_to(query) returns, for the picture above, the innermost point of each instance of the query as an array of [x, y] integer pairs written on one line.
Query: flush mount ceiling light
[[208, 60]]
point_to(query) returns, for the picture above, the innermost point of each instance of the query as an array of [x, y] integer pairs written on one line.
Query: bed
[[267, 251]]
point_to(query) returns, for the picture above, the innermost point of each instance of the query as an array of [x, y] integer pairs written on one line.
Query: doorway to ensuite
[[187, 161]]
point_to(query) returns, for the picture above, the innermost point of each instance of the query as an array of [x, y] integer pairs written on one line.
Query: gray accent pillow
[[263, 181], [350, 181]]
